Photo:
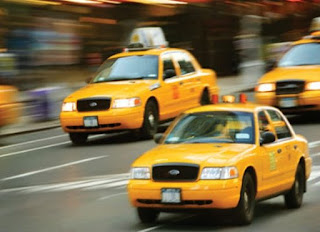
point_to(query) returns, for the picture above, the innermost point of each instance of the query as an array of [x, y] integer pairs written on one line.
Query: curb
[[26, 131]]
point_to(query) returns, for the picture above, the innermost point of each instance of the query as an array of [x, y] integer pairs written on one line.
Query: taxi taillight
[[214, 99], [242, 98]]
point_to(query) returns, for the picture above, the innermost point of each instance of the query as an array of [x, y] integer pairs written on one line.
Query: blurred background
[[49, 47]]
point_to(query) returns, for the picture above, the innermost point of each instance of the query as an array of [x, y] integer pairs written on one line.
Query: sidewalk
[[230, 84]]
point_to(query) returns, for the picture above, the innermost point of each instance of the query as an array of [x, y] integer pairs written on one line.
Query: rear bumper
[[110, 120], [219, 194]]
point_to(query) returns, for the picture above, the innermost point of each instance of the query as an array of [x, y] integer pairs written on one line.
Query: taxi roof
[[305, 41], [152, 51], [244, 107]]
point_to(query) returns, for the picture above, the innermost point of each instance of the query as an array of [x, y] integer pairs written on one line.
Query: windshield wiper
[[122, 79]]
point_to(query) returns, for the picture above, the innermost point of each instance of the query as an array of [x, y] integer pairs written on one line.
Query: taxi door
[[170, 91], [189, 80], [285, 138], [270, 155]]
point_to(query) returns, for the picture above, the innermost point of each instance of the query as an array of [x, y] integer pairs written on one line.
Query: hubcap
[[297, 189], [246, 202], [151, 119]]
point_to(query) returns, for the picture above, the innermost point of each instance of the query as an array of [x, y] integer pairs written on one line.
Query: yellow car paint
[[273, 173], [300, 99], [172, 96]]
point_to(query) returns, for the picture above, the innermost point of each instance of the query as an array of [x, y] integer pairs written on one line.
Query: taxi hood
[[307, 73], [118, 89], [201, 154]]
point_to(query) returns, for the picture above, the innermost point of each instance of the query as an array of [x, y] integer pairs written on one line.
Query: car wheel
[[147, 215], [150, 120], [293, 199], [78, 138], [205, 98], [244, 212]]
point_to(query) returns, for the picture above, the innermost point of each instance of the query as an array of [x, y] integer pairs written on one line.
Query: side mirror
[[89, 79], [270, 64], [169, 73], [158, 137], [267, 137]]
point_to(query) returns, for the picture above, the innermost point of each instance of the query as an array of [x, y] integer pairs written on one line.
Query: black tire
[[244, 212], [78, 138], [293, 199], [150, 120], [147, 215], [205, 98]]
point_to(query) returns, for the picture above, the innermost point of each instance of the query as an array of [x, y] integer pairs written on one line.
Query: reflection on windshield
[[128, 68], [303, 54], [213, 127]]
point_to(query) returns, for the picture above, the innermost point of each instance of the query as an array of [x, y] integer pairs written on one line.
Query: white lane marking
[[314, 175], [52, 168], [112, 195], [40, 148], [119, 179], [315, 155], [33, 141], [314, 144], [34, 149], [160, 226], [103, 186], [152, 228], [86, 185]]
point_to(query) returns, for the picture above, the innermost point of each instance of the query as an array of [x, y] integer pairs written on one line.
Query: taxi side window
[[263, 122], [184, 61], [281, 127], [168, 68]]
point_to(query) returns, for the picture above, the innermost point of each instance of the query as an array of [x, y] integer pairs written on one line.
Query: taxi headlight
[[68, 106], [140, 173], [266, 87], [313, 86], [126, 102], [222, 173]]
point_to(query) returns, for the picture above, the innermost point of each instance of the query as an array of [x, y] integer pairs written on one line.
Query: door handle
[[279, 151], [181, 83], [295, 146]]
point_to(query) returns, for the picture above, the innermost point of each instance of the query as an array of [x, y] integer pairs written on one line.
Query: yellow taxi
[[294, 85], [136, 90], [223, 156], [9, 106]]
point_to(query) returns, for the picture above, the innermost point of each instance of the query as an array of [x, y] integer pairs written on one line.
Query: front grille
[[175, 172], [93, 104], [186, 202], [289, 87], [100, 126]]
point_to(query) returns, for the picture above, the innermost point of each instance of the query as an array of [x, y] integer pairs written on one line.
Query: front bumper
[[203, 194], [305, 101], [109, 120]]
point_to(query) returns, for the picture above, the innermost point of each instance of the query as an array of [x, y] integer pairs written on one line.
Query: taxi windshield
[[302, 54], [213, 127], [128, 68]]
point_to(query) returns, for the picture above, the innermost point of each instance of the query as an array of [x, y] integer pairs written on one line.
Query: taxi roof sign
[[149, 37], [229, 98], [315, 24]]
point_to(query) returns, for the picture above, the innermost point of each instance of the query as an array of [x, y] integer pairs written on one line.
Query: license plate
[[171, 196], [91, 121], [288, 102]]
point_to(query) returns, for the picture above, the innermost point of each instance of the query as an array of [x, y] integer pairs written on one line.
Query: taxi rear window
[[128, 68]]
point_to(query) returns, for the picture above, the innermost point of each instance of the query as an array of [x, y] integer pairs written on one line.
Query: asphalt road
[[46, 184]]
